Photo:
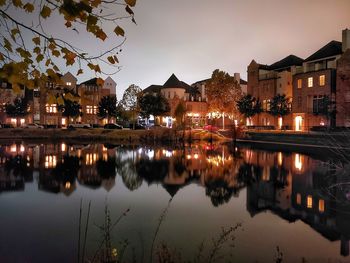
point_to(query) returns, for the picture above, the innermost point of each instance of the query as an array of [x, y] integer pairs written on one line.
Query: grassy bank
[[156, 136]]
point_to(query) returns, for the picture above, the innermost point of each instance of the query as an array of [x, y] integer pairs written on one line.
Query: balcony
[[270, 75]]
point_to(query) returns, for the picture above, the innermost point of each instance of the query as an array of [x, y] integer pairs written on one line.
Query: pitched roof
[[243, 82], [333, 48], [286, 62], [153, 89], [90, 82], [173, 82]]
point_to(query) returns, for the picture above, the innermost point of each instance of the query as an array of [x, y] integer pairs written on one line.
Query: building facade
[[317, 88]]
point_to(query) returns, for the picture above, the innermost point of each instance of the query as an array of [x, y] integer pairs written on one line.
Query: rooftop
[[333, 48]]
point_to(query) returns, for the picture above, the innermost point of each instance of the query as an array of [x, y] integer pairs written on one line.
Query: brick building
[[319, 82], [265, 82], [91, 92], [323, 74]]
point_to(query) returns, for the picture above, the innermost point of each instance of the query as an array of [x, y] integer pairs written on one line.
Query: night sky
[[192, 38]]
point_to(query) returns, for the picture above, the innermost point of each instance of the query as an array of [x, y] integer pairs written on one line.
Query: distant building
[[176, 91], [91, 92]]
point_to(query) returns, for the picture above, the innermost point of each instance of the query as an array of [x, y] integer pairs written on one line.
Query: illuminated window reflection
[[321, 205], [297, 162], [50, 161], [309, 201], [298, 199]]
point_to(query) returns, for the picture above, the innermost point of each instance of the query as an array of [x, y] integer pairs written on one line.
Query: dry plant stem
[[80, 212], [161, 219], [86, 231]]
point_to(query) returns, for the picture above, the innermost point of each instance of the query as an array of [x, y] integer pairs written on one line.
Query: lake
[[199, 202]]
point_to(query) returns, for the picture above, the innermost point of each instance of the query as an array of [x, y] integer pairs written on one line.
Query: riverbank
[[125, 136]]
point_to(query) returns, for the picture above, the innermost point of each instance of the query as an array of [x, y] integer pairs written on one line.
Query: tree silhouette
[[249, 106], [107, 107], [70, 109], [153, 105], [280, 106]]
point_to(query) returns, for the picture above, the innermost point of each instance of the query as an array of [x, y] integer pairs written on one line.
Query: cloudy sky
[[191, 38]]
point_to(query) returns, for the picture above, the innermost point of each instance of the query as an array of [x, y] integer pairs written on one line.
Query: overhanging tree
[[17, 109], [223, 91], [30, 52], [107, 108], [280, 106]]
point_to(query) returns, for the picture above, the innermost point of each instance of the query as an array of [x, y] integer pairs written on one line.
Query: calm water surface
[[290, 200]]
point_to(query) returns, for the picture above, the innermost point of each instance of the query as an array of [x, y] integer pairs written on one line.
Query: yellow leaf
[[130, 2], [91, 66], [28, 7], [60, 101], [95, 3], [119, 31], [1, 57], [17, 3], [100, 34], [68, 24], [45, 12], [14, 32], [111, 60], [30, 84], [80, 71], [97, 69], [55, 68], [7, 45], [55, 53], [37, 50], [48, 62], [116, 59], [39, 58], [52, 45], [16, 88], [51, 99], [2, 2], [70, 58], [36, 40], [69, 96]]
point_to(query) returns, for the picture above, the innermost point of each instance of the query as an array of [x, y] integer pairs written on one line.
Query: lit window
[[51, 108], [89, 109], [322, 80], [321, 205], [63, 121], [50, 161], [300, 83], [310, 82], [309, 201], [299, 199], [298, 162], [69, 83]]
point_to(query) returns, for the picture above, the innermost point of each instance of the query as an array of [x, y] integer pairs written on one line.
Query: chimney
[[345, 39], [237, 77]]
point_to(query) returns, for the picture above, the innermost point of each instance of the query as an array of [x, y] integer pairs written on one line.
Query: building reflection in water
[[291, 185]]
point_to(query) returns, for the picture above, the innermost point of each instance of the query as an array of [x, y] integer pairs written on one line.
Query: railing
[[270, 75]]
